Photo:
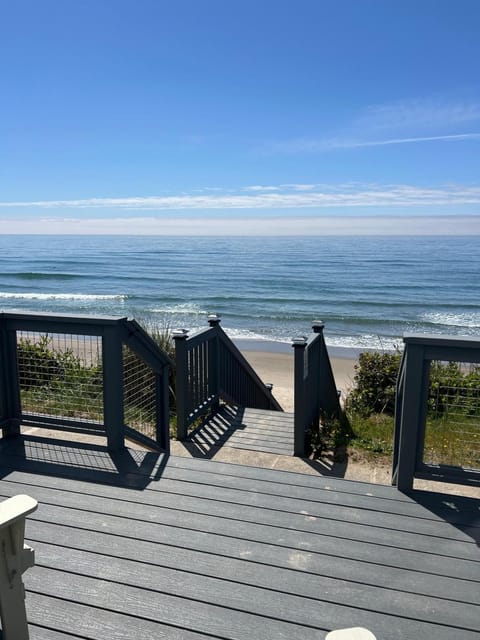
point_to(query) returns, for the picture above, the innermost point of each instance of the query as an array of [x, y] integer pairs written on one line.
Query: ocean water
[[367, 290]]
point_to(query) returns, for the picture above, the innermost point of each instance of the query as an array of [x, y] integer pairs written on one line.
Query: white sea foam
[[245, 334], [184, 308], [379, 343], [467, 320], [59, 296]]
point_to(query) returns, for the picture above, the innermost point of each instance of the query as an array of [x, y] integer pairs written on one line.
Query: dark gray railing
[[96, 374], [435, 396], [315, 392], [210, 368]]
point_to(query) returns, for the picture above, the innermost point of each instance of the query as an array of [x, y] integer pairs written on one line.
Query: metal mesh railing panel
[[60, 375], [452, 434], [140, 394]]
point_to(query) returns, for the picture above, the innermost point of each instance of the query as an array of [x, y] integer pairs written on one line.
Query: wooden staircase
[[242, 428], [220, 399]]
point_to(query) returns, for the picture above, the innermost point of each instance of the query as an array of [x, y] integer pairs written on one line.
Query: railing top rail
[[247, 367], [202, 335], [312, 339], [91, 326], [441, 341], [136, 333]]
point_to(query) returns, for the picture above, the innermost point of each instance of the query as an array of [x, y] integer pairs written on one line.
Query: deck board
[[251, 429], [195, 549]]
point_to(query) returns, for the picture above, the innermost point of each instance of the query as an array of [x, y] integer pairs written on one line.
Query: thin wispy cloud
[[426, 113], [305, 145], [405, 122], [314, 196], [259, 187]]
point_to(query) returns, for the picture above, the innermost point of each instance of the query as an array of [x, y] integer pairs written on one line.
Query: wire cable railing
[[437, 412], [94, 374]]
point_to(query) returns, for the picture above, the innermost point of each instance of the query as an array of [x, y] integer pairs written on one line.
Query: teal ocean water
[[368, 290]]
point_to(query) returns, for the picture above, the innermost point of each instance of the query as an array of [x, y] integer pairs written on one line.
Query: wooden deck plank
[[253, 434], [275, 565], [304, 546], [165, 609], [318, 494], [261, 449], [62, 618], [90, 460], [329, 482], [220, 551], [402, 533], [305, 514], [252, 444], [286, 551], [255, 430], [267, 600], [235, 596]]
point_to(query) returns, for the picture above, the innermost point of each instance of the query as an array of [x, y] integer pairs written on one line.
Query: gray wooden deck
[[135, 545], [240, 428]]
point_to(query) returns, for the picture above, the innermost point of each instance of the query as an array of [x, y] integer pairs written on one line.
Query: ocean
[[369, 291]]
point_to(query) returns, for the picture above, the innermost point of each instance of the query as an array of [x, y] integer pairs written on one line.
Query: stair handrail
[[204, 375]]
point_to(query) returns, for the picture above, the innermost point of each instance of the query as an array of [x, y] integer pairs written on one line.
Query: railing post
[[10, 385], [214, 361], [318, 326], [162, 409], [299, 345], [411, 416], [329, 396], [113, 397], [181, 383], [214, 319], [398, 416]]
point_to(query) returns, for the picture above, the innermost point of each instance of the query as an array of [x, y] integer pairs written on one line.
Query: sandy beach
[[277, 368]]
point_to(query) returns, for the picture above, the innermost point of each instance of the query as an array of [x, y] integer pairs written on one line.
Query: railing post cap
[[269, 385], [179, 334], [299, 342], [318, 326], [213, 319]]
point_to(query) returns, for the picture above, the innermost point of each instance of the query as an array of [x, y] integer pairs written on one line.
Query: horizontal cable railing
[[102, 375], [437, 413], [210, 368], [315, 392], [60, 375]]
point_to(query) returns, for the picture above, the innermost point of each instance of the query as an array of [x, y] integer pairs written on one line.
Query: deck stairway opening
[[222, 401]]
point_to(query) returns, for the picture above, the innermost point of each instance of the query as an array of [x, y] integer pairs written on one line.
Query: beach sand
[[277, 368]]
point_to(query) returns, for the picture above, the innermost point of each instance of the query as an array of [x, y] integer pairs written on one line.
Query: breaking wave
[[60, 296]]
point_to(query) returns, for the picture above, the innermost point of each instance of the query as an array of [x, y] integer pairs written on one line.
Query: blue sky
[[240, 116]]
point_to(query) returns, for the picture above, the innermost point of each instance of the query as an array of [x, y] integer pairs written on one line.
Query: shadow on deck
[[240, 428], [131, 468], [137, 545]]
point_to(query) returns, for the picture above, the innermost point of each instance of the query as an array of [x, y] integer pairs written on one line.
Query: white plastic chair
[[15, 558], [353, 633]]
